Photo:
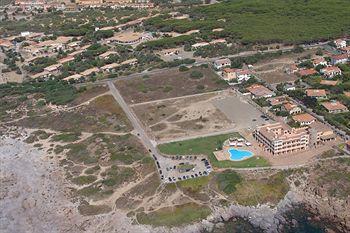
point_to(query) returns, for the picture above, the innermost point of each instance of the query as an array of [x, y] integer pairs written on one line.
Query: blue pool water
[[237, 154]]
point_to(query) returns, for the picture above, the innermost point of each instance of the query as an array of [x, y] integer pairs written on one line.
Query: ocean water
[[299, 220]]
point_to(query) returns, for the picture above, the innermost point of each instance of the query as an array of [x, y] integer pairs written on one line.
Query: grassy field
[[258, 191], [206, 146], [267, 21], [194, 185], [66, 137], [168, 84], [174, 216]]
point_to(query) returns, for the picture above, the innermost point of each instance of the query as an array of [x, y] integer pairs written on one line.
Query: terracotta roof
[[89, 71], [340, 56], [289, 106], [259, 90], [277, 100], [315, 92], [66, 59], [331, 69], [307, 72], [347, 93], [334, 105], [305, 117]]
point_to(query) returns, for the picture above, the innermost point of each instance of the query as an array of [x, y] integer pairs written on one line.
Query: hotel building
[[279, 138]]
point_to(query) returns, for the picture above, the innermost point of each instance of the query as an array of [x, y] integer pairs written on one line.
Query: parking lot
[[177, 168], [241, 113]]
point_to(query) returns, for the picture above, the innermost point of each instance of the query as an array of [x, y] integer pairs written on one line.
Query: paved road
[[133, 119], [166, 166]]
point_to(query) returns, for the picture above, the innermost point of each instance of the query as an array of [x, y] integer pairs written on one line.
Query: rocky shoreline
[[48, 207]]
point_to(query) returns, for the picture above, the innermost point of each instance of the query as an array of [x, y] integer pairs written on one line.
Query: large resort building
[[279, 138]]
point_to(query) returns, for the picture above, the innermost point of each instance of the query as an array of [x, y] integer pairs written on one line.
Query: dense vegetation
[[56, 92], [266, 21], [72, 23]]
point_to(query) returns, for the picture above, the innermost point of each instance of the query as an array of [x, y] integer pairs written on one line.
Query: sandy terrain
[[182, 117]]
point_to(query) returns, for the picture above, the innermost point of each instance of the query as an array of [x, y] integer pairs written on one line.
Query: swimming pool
[[237, 154]]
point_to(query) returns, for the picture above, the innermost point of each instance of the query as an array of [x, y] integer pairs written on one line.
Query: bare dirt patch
[[168, 85], [188, 116]]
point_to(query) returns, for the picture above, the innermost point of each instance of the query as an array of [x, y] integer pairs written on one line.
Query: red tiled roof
[[307, 72], [336, 105], [305, 117], [315, 92]]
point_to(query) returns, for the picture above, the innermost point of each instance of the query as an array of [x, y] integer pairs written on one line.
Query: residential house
[[110, 67], [43, 74], [347, 94], [236, 74], [66, 59], [291, 108], [307, 72], [319, 61], [107, 54], [331, 71], [339, 59], [316, 93], [73, 77], [279, 138], [334, 107], [340, 43], [278, 100], [304, 119], [221, 63], [259, 91], [90, 71], [53, 69], [130, 62]]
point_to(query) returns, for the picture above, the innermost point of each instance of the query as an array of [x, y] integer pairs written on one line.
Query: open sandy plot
[[182, 117], [170, 83], [240, 112]]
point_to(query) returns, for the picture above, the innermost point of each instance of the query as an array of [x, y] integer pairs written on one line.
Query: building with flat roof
[[279, 138], [221, 63]]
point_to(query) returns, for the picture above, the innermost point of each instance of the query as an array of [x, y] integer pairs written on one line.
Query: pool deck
[[224, 154]]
